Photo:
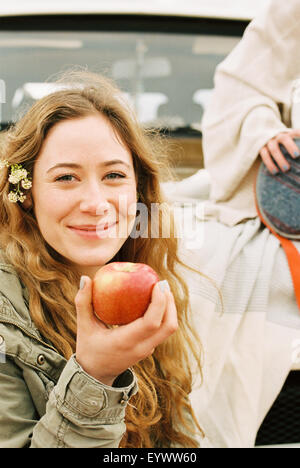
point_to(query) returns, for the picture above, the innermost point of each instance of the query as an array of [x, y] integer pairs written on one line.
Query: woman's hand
[[104, 353], [271, 153]]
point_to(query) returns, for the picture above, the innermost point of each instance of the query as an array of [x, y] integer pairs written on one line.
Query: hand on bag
[[272, 155], [104, 353]]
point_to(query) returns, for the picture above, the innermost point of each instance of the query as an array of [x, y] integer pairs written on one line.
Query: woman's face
[[84, 192]]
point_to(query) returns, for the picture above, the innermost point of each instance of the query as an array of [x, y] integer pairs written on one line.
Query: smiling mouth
[[93, 227], [93, 231]]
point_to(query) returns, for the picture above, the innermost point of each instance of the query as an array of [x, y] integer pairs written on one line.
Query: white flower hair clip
[[18, 176]]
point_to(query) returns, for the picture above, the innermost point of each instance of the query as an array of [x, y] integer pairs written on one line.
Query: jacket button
[[40, 359], [124, 399]]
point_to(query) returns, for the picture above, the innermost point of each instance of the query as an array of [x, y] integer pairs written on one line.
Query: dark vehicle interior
[[165, 67]]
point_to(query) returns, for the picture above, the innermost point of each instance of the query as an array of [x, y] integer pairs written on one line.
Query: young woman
[[66, 379]]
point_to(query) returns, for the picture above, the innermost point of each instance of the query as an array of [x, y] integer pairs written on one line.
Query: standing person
[[250, 111], [66, 379], [253, 346]]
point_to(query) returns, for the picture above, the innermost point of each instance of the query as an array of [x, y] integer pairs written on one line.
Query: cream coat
[[251, 103]]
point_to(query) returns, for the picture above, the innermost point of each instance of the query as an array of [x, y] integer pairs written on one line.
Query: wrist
[[105, 379]]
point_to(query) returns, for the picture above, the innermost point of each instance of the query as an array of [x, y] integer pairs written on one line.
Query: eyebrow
[[78, 166]]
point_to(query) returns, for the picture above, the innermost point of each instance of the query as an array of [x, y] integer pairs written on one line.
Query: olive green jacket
[[45, 400]]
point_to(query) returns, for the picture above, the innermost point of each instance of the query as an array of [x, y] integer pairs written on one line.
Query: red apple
[[122, 291]]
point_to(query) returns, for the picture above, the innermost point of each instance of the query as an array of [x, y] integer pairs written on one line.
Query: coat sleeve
[[80, 412], [251, 98]]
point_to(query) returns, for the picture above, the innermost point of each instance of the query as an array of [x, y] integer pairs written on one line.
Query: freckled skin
[[88, 195]]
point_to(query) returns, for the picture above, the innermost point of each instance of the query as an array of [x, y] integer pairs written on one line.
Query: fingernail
[[296, 154], [285, 167], [82, 282], [274, 171], [164, 286]]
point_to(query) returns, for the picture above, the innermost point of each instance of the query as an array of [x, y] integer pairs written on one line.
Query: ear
[[27, 203]]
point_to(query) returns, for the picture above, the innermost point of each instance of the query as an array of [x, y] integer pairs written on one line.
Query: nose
[[94, 200]]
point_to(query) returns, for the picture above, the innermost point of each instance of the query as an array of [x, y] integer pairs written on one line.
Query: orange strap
[[293, 258], [292, 254]]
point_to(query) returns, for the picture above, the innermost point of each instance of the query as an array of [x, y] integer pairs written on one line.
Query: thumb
[[83, 298], [157, 307]]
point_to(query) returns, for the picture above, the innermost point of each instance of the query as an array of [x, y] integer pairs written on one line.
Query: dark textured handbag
[[277, 200]]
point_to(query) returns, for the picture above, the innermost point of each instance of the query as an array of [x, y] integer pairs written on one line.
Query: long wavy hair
[[160, 414]]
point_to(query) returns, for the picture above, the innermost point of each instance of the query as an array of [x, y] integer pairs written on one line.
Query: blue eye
[[114, 175], [63, 177]]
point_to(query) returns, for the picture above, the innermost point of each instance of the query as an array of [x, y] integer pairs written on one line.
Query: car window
[[166, 77]]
